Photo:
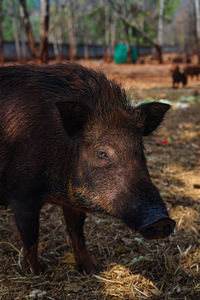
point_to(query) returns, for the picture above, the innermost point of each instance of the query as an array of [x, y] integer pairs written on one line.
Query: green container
[[120, 54]]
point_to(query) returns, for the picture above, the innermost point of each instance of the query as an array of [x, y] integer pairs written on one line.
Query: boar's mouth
[[157, 229]]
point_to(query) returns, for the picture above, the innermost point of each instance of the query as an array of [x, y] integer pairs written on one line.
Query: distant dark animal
[[169, 59], [188, 59], [178, 77], [196, 93], [178, 59], [142, 61], [192, 70], [69, 136]]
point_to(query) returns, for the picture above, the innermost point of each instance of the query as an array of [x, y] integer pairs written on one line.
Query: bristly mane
[[72, 80]]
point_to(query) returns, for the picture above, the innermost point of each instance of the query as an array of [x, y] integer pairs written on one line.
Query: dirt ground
[[130, 267]]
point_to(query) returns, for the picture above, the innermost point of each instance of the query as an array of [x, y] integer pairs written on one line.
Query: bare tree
[[86, 48], [72, 41], [160, 26], [57, 34], [15, 18], [128, 43], [44, 30], [42, 54], [197, 11], [107, 29], [28, 29], [107, 32], [113, 32]]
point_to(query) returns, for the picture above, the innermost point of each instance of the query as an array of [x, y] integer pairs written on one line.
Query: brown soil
[[131, 268]]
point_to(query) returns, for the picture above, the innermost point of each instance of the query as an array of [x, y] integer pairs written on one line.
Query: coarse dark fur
[[69, 136]]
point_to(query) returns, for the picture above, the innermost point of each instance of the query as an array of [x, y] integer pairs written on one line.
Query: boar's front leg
[[75, 220], [26, 214]]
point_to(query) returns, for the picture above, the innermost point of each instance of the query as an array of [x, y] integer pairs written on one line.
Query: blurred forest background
[[61, 29]]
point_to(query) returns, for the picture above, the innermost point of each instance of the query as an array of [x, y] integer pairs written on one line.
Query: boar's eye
[[102, 154]]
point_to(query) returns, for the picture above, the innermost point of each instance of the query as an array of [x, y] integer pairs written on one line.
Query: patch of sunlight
[[189, 134], [186, 218], [120, 282], [184, 181], [190, 260]]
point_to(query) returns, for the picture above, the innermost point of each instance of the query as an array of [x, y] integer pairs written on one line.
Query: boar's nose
[[158, 229]]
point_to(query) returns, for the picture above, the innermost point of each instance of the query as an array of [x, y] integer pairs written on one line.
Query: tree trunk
[[22, 38], [23, 47], [16, 33], [197, 11], [1, 37], [42, 55], [107, 33], [86, 49], [113, 33], [160, 22], [57, 35], [44, 30], [126, 28], [57, 44], [34, 52], [55, 47], [72, 42], [159, 53]]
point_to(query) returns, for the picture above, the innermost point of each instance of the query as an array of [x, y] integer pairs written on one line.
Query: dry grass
[[131, 268]]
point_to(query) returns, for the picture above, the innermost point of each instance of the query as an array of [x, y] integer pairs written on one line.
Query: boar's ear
[[152, 115], [74, 116]]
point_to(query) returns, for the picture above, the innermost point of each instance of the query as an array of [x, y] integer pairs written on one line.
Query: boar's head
[[109, 172]]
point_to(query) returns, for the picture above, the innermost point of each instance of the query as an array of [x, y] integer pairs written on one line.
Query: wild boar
[[69, 136], [178, 59], [177, 77], [192, 70]]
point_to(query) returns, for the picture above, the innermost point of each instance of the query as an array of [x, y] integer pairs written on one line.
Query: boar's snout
[[152, 222], [158, 229]]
